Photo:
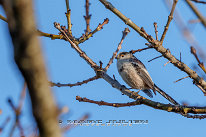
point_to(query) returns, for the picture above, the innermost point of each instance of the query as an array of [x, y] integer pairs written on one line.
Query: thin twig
[[139, 50], [40, 33], [197, 13], [75, 84], [68, 15], [22, 97], [155, 58], [170, 17], [200, 64], [103, 103], [87, 18], [156, 31], [180, 57], [84, 37], [72, 125], [181, 79], [4, 124], [193, 21], [167, 63], [3, 18], [52, 36], [198, 1], [17, 111], [125, 32]]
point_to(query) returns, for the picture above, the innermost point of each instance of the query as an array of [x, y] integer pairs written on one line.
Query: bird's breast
[[129, 75]]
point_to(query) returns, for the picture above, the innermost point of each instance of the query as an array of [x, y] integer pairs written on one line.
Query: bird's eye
[[122, 55]]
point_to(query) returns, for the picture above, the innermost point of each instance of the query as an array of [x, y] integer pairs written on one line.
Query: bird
[[135, 74]]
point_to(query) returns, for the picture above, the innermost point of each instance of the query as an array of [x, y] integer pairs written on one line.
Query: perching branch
[[156, 105]]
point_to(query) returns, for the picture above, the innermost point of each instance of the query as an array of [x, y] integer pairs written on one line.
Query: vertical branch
[[29, 59], [156, 31], [87, 18], [68, 14]]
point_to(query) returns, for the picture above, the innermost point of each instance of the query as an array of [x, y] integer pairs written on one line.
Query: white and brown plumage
[[135, 74]]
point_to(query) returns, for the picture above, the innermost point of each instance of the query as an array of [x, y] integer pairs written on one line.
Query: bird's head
[[124, 55]]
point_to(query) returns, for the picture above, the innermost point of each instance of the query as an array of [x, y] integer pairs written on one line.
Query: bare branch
[[156, 31], [72, 85], [3, 18], [87, 18], [139, 50], [170, 17], [198, 1], [201, 64], [4, 124], [155, 58], [156, 105], [70, 126], [181, 79], [84, 37], [103, 103], [198, 14], [125, 32], [80, 52], [52, 36], [68, 14]]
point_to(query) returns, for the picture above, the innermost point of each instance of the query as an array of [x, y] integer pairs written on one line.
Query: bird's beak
[[117, 57]]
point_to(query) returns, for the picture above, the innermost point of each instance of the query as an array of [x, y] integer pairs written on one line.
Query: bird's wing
[[143, 73]]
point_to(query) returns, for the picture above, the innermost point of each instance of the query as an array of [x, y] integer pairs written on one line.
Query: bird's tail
[[165, 95]]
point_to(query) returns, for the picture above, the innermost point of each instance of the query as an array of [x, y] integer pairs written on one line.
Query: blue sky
[[65, 66]]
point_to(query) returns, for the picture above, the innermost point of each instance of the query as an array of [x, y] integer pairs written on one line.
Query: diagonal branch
[[201, 64], [198, 1], [197, 13], [170, 17], [3, 18], [84, 37], [79, 51], [125, 32]]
